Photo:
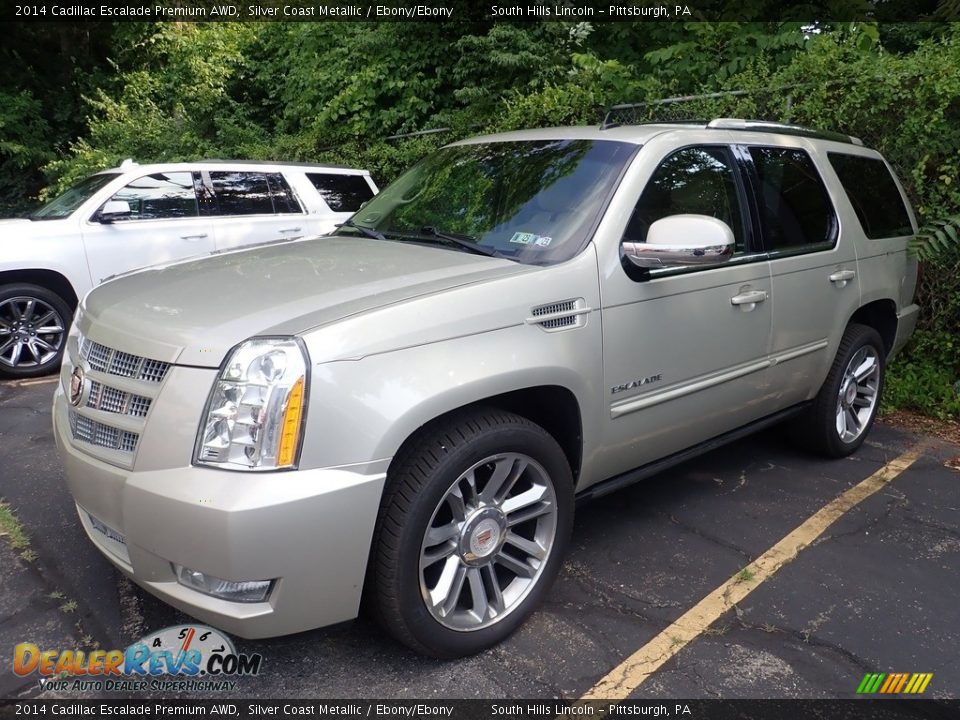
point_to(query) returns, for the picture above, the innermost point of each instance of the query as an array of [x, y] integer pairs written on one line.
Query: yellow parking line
[[38, 381], [632, 672]]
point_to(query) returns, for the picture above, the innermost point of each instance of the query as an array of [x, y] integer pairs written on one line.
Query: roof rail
[[631, 111], [295, 163], [775, 127]]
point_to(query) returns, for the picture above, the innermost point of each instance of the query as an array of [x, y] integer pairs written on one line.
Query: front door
[[163, 224], [685, 349]]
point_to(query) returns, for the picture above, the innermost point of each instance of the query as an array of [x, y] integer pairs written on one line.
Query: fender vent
[[560, 315]]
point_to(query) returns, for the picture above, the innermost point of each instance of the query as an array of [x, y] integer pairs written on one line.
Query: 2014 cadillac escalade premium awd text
[[406, 410]]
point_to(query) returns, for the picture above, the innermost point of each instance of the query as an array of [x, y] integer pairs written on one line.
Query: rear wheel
[[33, 331], [844, 410], [472, 531]]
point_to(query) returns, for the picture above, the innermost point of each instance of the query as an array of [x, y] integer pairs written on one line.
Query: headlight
[[254, 417]]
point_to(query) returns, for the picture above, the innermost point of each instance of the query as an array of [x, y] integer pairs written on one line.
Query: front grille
[[121, 389], [112, 400], [114, 362], [153, 370], [95, 433]]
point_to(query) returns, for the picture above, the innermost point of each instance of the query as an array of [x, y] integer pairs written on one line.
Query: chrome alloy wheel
[[31, 332], [858, 393], [488, 541]]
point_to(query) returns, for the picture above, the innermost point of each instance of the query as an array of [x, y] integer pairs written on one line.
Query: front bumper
[[309, 529]]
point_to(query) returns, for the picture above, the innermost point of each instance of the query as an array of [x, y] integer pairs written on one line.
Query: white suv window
[[65, 205], [343, 193], [239, 192], [159, 196]]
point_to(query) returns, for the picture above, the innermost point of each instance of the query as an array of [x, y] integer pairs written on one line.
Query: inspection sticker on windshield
[[525, 238]]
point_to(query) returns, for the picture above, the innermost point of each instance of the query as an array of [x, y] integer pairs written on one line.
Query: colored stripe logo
[[894, 683]]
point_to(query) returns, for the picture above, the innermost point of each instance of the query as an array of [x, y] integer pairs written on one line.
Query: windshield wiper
[[465, 242], [368, 231]]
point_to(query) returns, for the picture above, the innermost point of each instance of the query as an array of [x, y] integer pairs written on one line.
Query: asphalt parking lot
[[875, 592]]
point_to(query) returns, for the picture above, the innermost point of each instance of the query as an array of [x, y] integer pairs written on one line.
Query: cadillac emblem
[[76, 386]]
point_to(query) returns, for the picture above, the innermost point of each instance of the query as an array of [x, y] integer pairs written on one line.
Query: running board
[[618, 482]]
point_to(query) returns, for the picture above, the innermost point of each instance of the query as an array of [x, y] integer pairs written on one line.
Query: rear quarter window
[[343, 193], [874, 195]]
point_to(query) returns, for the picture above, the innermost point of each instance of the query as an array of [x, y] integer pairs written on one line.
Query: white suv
[[138, 215]]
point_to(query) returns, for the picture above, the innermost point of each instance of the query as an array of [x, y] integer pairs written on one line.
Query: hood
[[12, 228], [193, 312], [20, 228]]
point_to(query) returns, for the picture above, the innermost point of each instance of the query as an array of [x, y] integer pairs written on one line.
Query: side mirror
[[682, 240], [112, 210]]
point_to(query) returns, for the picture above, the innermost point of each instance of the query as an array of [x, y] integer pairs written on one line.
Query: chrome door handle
[[193, 237], [748, 301], [842, 277], [290, 230]]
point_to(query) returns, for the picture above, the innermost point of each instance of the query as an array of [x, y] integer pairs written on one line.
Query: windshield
[[65, 204], [535, 201]]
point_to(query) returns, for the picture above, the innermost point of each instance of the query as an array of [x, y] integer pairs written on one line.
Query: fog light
[[246, 591]]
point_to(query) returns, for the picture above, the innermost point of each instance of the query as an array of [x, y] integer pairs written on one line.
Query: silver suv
[[407, 410], [138, 215]]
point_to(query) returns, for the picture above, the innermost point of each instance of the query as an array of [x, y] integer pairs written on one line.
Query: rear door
[[880, 225], [164, 224], [252, 206], [813, 264]]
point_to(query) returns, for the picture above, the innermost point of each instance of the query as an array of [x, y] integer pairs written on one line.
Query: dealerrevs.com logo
[[178, 658]]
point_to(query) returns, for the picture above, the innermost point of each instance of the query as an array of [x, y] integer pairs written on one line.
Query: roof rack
[[220, 161], [728, 124], [775, 127]]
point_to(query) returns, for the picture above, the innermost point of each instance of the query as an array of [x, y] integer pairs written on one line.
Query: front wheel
[[33, 331], [472, 531], [844, 410]]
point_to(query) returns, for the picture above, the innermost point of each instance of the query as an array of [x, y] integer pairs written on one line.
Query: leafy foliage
[[936, 238], [77, 98]]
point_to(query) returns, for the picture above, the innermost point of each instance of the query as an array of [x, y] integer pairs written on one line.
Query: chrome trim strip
[[634, 404], [631, 405], [800, 351]]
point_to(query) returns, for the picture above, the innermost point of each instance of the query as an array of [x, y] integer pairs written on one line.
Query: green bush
[[336, 92], [921, 381]]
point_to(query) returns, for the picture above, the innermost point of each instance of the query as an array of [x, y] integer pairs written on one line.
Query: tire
[[819, 427], [26, 311], [441, 519]]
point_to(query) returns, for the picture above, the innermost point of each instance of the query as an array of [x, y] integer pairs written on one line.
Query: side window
[[160, 195], [241, 193], [795, 210], [343, 193], [284, 200], [874, 195], [695, 180]]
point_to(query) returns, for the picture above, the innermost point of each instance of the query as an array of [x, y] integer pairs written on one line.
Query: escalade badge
[[639, 382], [76, 386]]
